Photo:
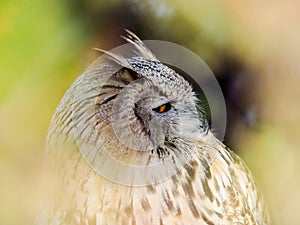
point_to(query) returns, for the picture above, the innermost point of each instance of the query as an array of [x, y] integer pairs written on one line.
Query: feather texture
[[109, 114]]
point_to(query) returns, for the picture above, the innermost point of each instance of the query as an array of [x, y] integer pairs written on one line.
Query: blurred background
[[253, 48]]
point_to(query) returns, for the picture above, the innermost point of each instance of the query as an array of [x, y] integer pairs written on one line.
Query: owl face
[[156, 111]]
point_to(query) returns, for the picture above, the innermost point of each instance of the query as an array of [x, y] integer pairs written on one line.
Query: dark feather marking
[[204, 217], [193, 209], [178, 211], [207, 190], [161, 222], [125, 75], [175, 180], [208, 173], [217, 187], [204, 162], [108, 99], [145, 204], [191, 171], [188, 190], [151, 189], [175, 192], [194, 163], [169, 203], [111, 86]]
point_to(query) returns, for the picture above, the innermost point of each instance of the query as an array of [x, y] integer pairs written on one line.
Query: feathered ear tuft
[[119, 59], [139, 45]]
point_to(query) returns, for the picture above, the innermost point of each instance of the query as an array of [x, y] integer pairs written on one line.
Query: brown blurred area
[[252, 47]]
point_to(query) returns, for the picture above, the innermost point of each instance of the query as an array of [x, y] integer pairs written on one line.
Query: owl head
[[156, 106], [143, 113]]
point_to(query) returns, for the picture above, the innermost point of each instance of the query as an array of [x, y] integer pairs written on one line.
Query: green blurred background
[[252, 47]]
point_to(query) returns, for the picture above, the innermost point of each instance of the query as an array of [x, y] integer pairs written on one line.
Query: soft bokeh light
[[253, 47]]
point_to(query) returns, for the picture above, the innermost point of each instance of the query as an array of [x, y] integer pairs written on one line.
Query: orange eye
[[163, 108]]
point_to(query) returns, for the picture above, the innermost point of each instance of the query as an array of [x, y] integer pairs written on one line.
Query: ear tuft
[[139, 45], [119, 59]]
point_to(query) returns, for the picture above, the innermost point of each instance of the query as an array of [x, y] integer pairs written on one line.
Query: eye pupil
[[163, 108]]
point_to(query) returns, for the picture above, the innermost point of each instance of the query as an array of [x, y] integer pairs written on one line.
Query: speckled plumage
[[213, 187]]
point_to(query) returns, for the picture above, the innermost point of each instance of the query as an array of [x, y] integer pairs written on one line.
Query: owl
[[128, 145]]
